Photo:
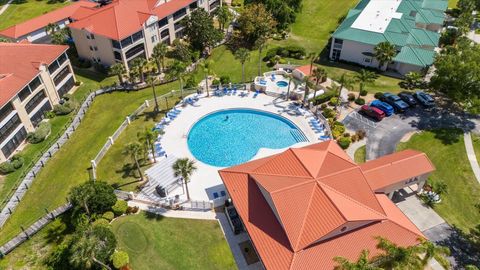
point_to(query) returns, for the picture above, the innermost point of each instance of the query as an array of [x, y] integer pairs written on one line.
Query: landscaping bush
[[120, 259], [17, 161], [344, 142], [296, 52], [293, 51], [39, 135], [225, 79], [216, 82], [351, 97], [120, 207], [324, 97], [191, 82], [346, 134], [361, 134], [337, 129], [323, 106], [333, 101], [50, 114], [328, 113], [108, 215], [354, 138], [65, 108], [360, 101], [6, 168], [363, 93], [101, 222], [378, 95], [131, 210]]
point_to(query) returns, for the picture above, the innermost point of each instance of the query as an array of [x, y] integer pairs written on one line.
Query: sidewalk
[[4, 7], [210, 215], [472, 158], [354, 147]]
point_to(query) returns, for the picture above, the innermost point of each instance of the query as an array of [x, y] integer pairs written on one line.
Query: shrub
[[360, 134], [120, 259], [120, 207], [346, 134], [49, 114], [225, 79], [101, 222], [337, 129], [216, 82], [17, 161], [351, 97], [354, 138], [77, 83], [40, 134], [360, 101], [344, 142], [323, 106], [328, 113], [6, 167], [363, 93], [191, 82], [333, 101], [65, 108], [324, 97], [108, 215], [378, 95], [131, 210], [296, 52], [270, 54]]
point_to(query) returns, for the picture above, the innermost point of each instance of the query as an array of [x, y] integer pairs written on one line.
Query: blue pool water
[[282, 84], [230, 137]]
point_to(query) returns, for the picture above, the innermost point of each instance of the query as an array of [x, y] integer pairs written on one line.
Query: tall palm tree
[[206, 65], [397, 257], [432, 251], [223, 15], [51, 28], [177, 71], [148, 137], [308, 85], [119, 70], [363, 263], [133, 150], [313, 57], [86, 249], [260, 44], [158, 55], [363, 77], [242, 55], [184, 168], [152, 80], [289, 76], [345, 82], [140, 64], [384, 53], [319, 74]]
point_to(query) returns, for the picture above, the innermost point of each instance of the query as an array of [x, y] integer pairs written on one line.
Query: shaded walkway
[[472, 158]]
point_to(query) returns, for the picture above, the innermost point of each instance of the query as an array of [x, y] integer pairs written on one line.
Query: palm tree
[[51, 28], [363, 77], [140, 64], [260, 44], [397, 257], [345, 82], [119, 70], [177, 71], [184, 168], [134, 150], [319, 74], [148, 137], [313, 57], [432, 251], [362, 263], [242, 55], [152, 80], [86, 249], [384, 53], [308, 84], [223, 16], [289, 76], [158, 55], [206, 65]]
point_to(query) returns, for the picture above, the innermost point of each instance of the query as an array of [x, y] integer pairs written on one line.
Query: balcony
[[179, 14], [140, 48], [61, 76]]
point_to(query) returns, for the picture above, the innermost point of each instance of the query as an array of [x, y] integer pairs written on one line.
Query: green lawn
[[452, 3], [23, 10], [32, 152], [447, 151], [360, 154], [69, 167], [155, 242], [476, 145]]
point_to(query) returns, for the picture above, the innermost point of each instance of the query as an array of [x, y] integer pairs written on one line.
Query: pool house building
[[412, 26]]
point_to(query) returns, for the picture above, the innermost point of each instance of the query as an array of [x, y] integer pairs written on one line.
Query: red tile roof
[[75, 10], [123, 18], [305, 206], [19, 65], [305, 69]]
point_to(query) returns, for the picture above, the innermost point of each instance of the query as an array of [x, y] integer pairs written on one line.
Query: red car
[[372, 112]]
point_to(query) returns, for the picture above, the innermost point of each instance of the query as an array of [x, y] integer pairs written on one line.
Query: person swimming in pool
[[226, 118]]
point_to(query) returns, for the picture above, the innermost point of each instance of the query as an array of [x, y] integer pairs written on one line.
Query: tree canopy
[[200, 31], [255, 23], [283, 11], [93, 197]]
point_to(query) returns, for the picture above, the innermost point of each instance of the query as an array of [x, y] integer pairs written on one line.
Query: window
[[165, 33], [14, 142], [66, 87], [126, 41], [34, 101], [24, 93], [91, 48], [9, 127], [117, 55], [53, 67], [154, 39], [177, 15], [367, 60], [193, 5], [338, 41], [137, 36], [162, 22], [62, 58], [152, 28], [5, 111], [178, 25], [92, 36], [116, 44], [61, 75], [34, 84], [40, 114], [134, 51]]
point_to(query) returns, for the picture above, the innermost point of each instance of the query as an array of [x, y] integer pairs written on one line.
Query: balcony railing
[[61, 75]]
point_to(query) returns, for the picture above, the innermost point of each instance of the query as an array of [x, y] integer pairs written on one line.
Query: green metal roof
[[401, 32]]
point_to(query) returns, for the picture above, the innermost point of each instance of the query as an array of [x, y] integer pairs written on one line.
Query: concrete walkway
[[4, 7], [472, 158], [354, 147], [210, 215]]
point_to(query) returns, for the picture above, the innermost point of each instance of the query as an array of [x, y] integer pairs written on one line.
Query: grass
[[69, 167], [31, 153], [118, 169], [23, 10], [155, 242], [445, 148], [360, 154], [452, 3]]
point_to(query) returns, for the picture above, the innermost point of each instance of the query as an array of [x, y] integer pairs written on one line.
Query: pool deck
[[206, 180]]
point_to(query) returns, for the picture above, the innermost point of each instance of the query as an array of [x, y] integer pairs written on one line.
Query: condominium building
[[127, 29], [33, 78], [413, 26]]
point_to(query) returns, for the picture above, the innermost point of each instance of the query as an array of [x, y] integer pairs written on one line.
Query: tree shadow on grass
[[152, 216], [447, 136]]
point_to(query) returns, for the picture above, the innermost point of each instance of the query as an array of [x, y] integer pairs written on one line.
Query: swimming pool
[[230, 137], [282, 84]]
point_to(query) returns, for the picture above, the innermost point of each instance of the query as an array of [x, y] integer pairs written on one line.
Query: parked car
[[372, 112], [397, 103], [408, 98], [385, 107], [425, 99]]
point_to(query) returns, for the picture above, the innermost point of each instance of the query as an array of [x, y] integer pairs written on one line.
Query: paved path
[[4, 7], [210, 215], [354, 147], [472, 158]]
